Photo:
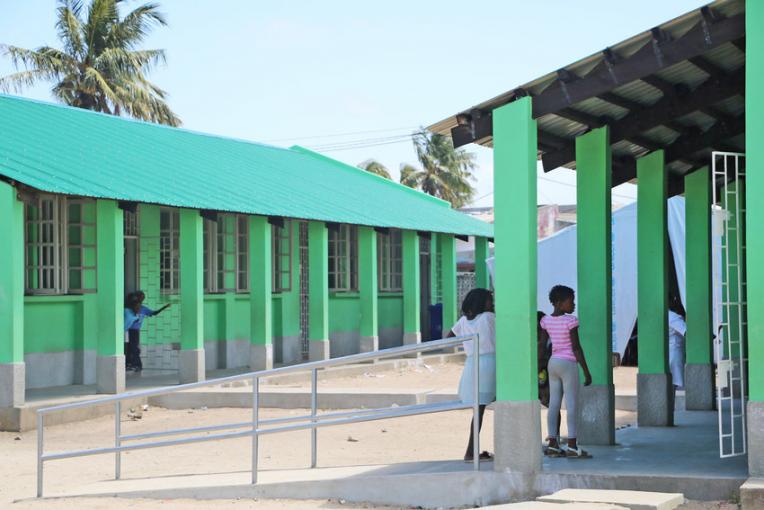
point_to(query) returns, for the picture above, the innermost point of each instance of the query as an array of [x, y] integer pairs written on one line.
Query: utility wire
[[335, 135]]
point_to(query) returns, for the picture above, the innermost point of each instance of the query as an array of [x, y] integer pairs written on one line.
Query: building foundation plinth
[[318, 350], [596, 415], [12, 384], [517, 436], [655, 400], [369, 344], [110, 374], [191, 365], [699, 387], [755, 416], [260, 357]]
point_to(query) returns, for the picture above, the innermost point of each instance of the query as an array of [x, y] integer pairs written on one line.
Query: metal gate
[[728, 185], [304, 287]]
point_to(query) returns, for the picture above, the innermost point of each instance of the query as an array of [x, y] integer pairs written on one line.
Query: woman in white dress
[[478, 318], [677, 329]]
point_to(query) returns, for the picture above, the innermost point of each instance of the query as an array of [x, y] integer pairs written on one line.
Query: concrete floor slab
[[633, 500], [540, 505]]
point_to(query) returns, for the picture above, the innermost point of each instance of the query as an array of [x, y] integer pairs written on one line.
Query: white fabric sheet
[[557, 265]]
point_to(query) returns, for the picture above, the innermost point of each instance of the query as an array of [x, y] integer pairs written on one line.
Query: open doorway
[[425, 281]]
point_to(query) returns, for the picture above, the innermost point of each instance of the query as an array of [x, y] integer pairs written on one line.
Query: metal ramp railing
[[256, 427]]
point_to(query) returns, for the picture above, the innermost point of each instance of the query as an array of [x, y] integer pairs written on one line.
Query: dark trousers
[[133, 352]]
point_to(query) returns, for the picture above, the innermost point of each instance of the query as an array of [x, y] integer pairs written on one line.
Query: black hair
[[131, 299], [560, 293], [475, 302], [675, 305]]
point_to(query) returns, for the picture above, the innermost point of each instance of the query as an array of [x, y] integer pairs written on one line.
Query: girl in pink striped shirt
[[561, 328]]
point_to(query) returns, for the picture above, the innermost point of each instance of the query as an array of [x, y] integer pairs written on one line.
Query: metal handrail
[[257, 427]]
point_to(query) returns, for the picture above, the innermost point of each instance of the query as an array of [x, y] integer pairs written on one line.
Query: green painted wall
[[344, 312], [514, 153], [411, 282], [391, 311], [652, 274], [367, 281]]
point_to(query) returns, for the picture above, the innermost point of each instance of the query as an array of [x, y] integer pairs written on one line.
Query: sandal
[[554, 451], [484, 457], [577, 453]]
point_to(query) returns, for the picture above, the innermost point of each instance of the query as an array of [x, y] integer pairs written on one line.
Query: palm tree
[[446, 172], [375, 167], [101, 66]]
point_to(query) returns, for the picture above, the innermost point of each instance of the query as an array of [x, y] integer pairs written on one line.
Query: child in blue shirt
[[135, 312]]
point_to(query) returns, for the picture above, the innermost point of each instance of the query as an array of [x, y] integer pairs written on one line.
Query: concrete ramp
[[633, 500]]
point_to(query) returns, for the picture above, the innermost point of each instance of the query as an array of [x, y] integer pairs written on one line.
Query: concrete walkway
[[678, 459]]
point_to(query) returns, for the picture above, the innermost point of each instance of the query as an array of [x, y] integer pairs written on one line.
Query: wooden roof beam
[[625, 169], [663, 112], [612, 72]]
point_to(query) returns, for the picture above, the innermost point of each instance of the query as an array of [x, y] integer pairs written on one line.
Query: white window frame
[[343, 259], [52, 267], [242, 253], [169, 252], [390, 261]]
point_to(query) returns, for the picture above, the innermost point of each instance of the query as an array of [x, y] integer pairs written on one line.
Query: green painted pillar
[[318, 299], [448, 280], [596, 424], [110, 361], [261, 293], [754, 143], [191, 359], [655, 392], [368, 284], [517, 428], [699, 371], [12, 368], [411, 292], [482, 278]]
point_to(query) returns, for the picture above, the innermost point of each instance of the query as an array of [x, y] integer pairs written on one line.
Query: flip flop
[[577, 453], [484, 457], [552, 451]]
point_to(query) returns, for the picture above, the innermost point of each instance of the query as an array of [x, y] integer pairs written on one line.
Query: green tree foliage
[[375, 167], [446, 172], [101, 66]]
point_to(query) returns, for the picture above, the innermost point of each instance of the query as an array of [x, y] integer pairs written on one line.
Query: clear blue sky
[[286, 72]]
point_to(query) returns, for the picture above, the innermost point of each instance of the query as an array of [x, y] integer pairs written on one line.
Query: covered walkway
[[652, 108]]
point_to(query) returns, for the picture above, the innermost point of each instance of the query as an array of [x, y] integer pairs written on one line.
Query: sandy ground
[[430, 377]]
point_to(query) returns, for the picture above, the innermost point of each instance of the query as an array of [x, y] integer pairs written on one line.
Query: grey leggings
[[563, 378]]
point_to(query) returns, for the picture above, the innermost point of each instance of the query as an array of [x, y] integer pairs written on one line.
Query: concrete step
[[633, 500], [541, 505], [21, 419], [752, 494]]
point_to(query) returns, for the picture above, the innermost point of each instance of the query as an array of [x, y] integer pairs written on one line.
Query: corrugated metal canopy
[[707, 46], [66, 150]]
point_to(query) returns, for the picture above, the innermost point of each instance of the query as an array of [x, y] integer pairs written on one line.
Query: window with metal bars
[[60, 246], [343, 259], [169, 251], [221, 254], [390, 261], [282, 257], [242, 253]]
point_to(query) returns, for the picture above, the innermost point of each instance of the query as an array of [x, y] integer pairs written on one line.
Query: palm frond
[[136, 25], [69, 27], [375, 167]]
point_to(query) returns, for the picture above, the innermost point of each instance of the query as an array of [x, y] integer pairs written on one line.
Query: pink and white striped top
[[559, 334]]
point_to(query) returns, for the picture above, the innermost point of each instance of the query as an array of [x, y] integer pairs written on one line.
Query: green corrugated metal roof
[[66, 150]]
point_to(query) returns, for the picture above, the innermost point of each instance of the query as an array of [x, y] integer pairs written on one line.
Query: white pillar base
[[517, 436], [260, 357], [110, 374], [369, 344], [318, 350], [655, 400], [191, 365], [12, 384], [755, 418], [699, 387]]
